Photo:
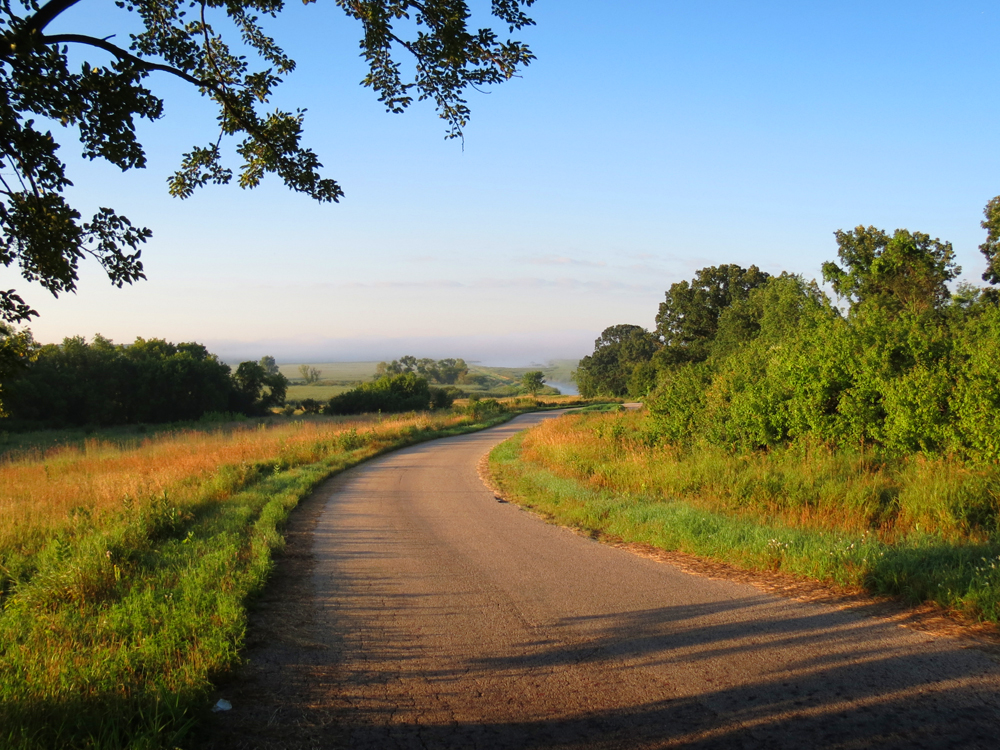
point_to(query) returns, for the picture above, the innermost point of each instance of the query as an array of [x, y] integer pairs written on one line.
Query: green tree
[[254, 391], [617, 352], [47, 238], [450, 371], [533, 381], [391, 393], [991, 248], [309, 374], [150, 380], [908, 269], [17, 349], [269, 364], [689, 316]]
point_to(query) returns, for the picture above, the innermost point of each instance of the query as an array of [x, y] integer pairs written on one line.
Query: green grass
[[957, 574], [114, 629], [321, 391], [339, 371]]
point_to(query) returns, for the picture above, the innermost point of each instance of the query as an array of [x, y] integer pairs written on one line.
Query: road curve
[[437, 617]]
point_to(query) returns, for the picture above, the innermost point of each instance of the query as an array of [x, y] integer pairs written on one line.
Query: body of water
[[566, 389]]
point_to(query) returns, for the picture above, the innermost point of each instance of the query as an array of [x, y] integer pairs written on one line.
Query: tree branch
[[121, 54], [47, 14]]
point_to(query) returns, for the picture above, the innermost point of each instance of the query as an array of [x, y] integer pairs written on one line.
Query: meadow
[[126, 564], [921, 528]]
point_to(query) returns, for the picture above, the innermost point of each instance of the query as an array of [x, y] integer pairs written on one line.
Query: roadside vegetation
[[100, 383], [856, 442], [126, 564]]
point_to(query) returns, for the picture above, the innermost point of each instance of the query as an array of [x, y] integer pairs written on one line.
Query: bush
[[486, 407], [443, 398], [390, 394]]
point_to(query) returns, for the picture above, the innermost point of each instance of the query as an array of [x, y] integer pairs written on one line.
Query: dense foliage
[[389, 394], [619, 352], [149, 381], [444, 371], [761, 362]]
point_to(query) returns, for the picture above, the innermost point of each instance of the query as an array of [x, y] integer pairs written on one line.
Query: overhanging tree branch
[[122, 54]]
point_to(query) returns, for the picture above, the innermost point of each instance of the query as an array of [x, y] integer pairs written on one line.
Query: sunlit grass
[[124, 569]]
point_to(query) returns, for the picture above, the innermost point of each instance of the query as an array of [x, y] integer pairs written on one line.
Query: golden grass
[[40, 493], [806, 486]]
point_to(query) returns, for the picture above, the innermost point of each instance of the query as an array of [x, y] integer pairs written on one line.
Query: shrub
[[390, 394]]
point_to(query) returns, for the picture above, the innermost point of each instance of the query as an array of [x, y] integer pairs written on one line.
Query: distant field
[[317, 391], [354, 371]]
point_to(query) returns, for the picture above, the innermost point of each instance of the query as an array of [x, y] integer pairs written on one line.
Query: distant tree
[[390, 368], [269, 364], [309, 374], [442, 398], [310, 406], [150, 380], [533, 381], [991, 248], [444, 371], [254, 391], [689, 317], [908, 269], [17, 348], [451, 371], [617, 352]]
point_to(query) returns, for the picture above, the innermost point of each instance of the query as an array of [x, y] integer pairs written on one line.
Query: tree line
[[149, 381], [442, 371], [898, 364]]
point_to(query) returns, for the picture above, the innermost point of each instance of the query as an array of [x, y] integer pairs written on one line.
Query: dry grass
[[124, 569], [40, 493], [807, 486]]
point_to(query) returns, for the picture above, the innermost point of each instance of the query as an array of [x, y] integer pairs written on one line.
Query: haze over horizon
[[638, 148]]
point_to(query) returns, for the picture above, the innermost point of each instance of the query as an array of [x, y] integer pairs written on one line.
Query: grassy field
[[919, 529], [322, 391], [353, 372], [126, 564]]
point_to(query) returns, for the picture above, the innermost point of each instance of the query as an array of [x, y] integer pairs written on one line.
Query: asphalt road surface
[[415, 610]]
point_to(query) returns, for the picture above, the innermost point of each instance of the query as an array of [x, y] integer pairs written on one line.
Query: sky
[[649, 139]]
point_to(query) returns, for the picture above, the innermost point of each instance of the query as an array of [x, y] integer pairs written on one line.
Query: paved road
[[438, 617]]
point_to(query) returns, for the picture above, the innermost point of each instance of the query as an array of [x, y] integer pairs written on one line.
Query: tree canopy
[[991, 247], [444, 371], [617, 352], [47, 238], [904, 270], [689, 316], [533, 381], [151, 380]]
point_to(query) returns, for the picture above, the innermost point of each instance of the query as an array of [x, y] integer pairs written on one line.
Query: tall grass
[[124, 571], [924, 529]]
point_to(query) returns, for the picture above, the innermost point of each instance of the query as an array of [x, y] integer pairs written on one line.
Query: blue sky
[[649, 139]]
